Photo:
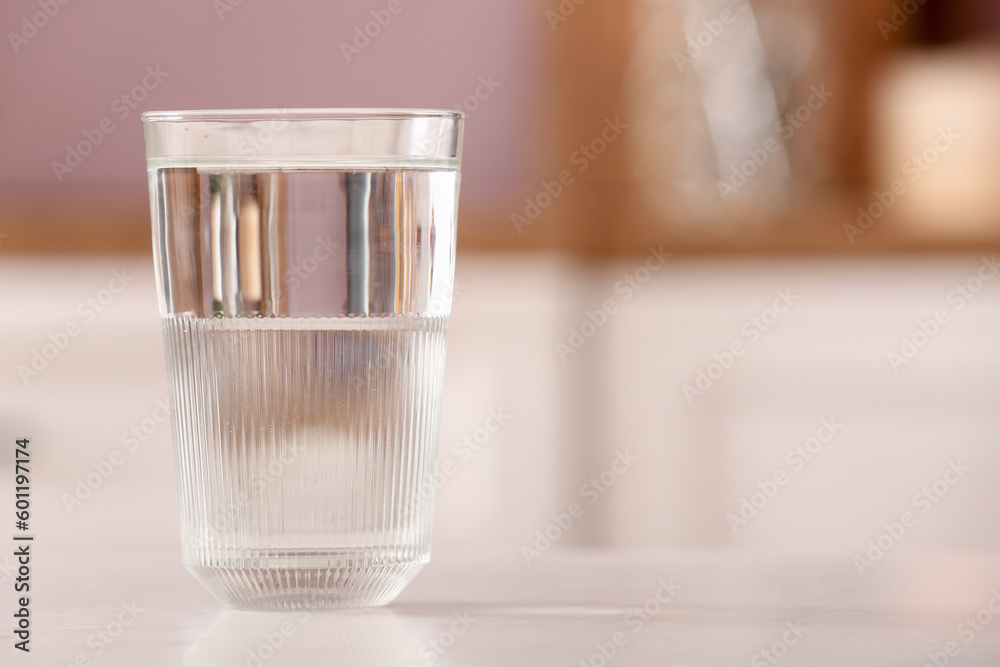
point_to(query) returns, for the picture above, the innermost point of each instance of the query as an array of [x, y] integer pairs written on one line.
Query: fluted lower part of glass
[[304, 449]]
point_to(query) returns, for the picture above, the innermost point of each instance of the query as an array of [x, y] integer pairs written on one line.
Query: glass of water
[[305, 263]]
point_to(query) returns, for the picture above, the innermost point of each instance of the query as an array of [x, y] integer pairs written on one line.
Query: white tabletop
[[638, 608]]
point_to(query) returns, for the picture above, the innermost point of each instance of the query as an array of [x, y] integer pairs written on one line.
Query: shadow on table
[[354, 637]]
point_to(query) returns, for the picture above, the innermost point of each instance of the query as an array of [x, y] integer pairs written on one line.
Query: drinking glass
[[304, 263]]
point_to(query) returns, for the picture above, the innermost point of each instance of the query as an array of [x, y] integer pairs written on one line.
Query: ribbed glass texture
[[305, 287], [302, 445]]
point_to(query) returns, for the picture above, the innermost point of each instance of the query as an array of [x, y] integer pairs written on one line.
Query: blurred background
[[816, 356]]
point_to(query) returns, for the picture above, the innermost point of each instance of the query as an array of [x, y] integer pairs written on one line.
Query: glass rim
[[292, 114]]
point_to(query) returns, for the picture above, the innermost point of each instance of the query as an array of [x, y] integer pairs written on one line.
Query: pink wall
[[66, 78]]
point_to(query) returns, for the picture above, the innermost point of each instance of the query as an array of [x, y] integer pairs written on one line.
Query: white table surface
[[495, 610]]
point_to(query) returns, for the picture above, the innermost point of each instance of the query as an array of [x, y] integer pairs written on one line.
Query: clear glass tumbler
[[305, 263]]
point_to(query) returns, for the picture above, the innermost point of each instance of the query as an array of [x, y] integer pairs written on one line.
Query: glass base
[[304, 588]]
